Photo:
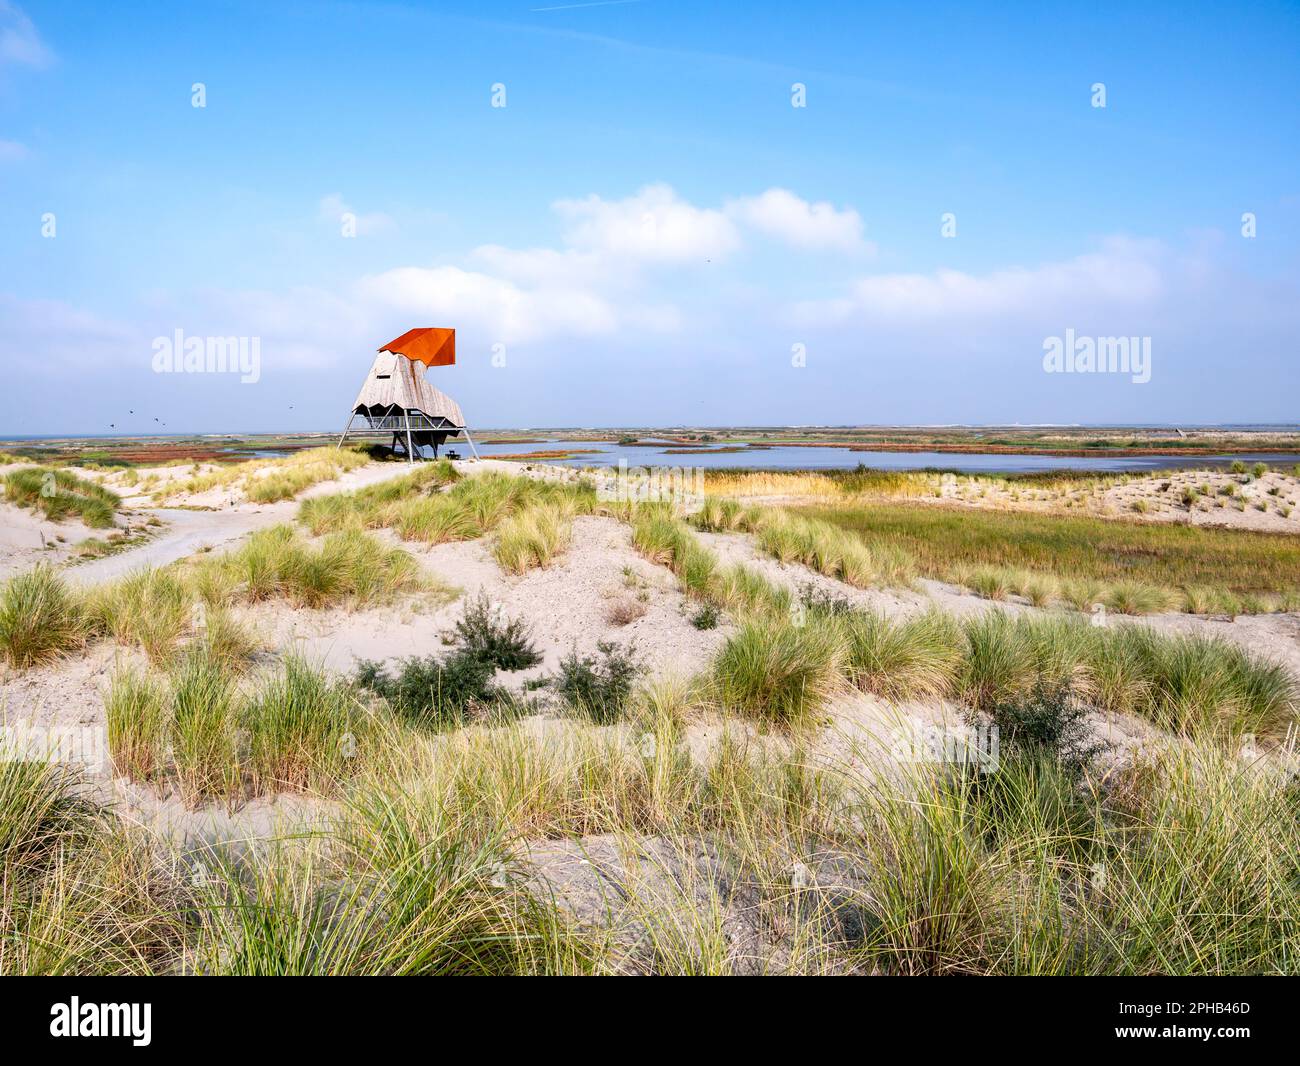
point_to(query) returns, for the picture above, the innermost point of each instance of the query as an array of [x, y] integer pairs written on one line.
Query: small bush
[[706, 617], [433, 693], [504, 644], [1049, 719], [599, 686], [624, 611], [998, 665]]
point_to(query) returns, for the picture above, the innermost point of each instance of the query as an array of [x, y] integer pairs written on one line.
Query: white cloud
[[780, 213], [1123, 273], [652, 225], [20, 43], [942, 345], [62, 336], [496, 307], [333, 210]]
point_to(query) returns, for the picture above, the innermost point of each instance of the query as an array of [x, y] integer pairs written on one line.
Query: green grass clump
[[203, 725], [418, 509], [1134, 597], [831, 550], [1196, 686], [270, 480], [303, 730], [990, 582], [999, 659], [1203, 686], [149, 608], [405, 890], [137, 710], [348, 567], [366, 508], [719, 515], [59, 494], [916, 658], [40, 618], [706, 617], [779, 672], [476, 506], [666, 540], [532, 537], [40, 814], [1182, 870], [660, 537], [741, 590]]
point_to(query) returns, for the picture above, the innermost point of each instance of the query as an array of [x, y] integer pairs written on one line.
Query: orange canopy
[[428, 345]]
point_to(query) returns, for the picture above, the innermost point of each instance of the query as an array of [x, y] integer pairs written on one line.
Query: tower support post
[[346, 429], [471, 441]]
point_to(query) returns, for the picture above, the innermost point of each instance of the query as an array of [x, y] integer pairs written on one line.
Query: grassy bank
[[43, 617], [947, 543], [60, 494]]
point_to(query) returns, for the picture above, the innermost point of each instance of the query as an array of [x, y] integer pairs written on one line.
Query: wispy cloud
[[20, 42], [593, 3]]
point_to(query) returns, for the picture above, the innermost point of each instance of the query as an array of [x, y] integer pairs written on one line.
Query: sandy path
[[188, 531]]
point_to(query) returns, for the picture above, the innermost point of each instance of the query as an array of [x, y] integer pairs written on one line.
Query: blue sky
[[648, 229]]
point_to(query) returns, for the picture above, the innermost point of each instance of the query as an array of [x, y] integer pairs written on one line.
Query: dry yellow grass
[[268, 480], [766, 483]]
